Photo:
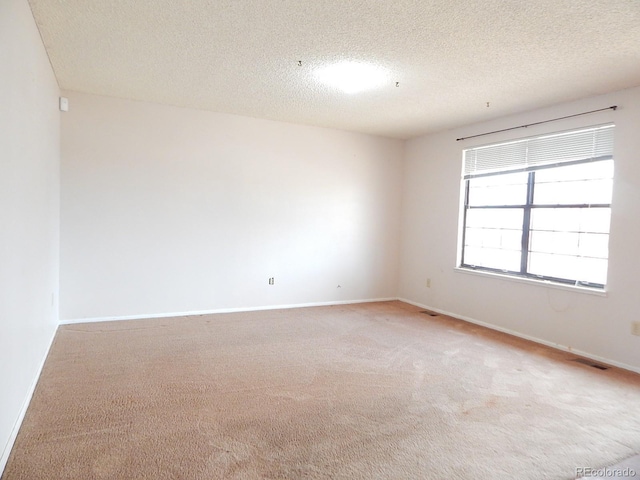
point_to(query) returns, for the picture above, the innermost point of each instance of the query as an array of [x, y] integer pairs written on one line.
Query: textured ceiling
[[450, 57]]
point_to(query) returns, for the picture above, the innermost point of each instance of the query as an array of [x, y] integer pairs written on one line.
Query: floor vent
[[430, 313], [590, 363]]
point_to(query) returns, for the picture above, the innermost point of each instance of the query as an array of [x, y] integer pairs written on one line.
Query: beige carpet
[[370, 391]]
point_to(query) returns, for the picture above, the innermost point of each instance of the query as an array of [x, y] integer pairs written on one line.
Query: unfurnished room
[[319, 239]]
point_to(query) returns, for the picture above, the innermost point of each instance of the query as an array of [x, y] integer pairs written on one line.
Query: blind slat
[[539, 151]]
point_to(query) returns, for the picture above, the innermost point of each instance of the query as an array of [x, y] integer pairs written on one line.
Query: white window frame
[[529, 155]]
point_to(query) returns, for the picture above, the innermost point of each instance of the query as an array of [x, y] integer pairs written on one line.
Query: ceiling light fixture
[[352, 77]]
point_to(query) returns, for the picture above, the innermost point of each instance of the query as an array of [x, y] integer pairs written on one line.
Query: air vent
[[590, 363], [430, 313]]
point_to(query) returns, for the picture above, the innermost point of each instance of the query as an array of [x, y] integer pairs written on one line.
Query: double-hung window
[[540, 207]]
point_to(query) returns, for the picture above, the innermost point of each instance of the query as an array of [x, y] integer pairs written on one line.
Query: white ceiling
[[450, 57]]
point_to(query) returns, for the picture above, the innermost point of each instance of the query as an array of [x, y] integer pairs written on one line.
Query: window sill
[[532, 281]]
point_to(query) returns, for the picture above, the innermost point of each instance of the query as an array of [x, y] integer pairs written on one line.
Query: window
[[540, 207]]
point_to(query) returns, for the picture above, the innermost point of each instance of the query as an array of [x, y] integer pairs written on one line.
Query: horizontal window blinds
[[595, 143]]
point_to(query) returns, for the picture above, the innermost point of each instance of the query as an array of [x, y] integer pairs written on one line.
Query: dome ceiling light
[[353, 77]]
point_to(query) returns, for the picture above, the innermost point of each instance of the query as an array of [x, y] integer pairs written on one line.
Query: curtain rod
[[613, 107]]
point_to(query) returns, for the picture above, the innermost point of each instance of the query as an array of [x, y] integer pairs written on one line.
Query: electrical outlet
[[635, 328], [428, 283]]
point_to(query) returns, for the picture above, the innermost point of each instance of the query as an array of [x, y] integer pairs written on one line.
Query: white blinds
[[584, 144]]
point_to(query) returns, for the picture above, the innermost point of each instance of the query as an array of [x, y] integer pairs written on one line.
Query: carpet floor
[[368, 391]]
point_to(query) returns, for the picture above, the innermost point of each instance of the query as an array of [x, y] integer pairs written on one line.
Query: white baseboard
[[221, 310], [23, 411], [508, 331]]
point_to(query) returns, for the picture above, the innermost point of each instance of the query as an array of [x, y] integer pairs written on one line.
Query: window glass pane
[[594, 245], [593, 270], [584, 183], [492, 258], [555, 219], [581, 269], [582, 171], [570, 243], [512, 239], [493, 238], [506, 218], [507, 189], [567, 243], [576, 192], [550, 265], [595, 220]]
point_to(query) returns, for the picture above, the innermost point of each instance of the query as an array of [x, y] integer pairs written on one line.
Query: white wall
[[172, 210], [597, 325], [29, 212]]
